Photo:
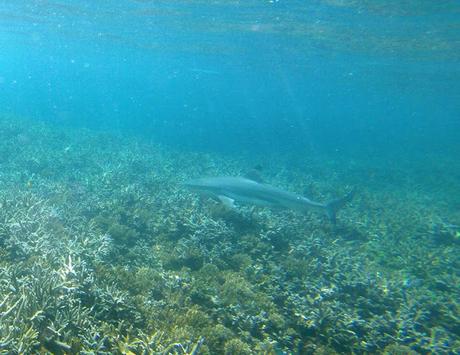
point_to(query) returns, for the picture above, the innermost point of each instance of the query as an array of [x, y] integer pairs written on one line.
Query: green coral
[[236, 347], [396, 349]]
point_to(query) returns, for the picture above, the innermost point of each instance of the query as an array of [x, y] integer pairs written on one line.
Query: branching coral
[[102, 251]]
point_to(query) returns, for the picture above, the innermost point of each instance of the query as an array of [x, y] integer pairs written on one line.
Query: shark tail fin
[[332, 207]]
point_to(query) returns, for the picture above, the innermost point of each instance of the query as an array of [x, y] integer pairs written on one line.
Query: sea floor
[[103, 251]]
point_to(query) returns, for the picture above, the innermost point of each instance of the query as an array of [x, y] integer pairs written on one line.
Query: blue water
[[239, 75], [108, 107]]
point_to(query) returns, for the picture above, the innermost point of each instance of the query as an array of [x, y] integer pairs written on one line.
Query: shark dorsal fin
[[255, 174]]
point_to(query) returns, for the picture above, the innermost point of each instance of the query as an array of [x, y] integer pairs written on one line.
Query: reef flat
[[102, 251]]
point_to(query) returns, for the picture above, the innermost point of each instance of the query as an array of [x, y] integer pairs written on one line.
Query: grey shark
[[242, 190]]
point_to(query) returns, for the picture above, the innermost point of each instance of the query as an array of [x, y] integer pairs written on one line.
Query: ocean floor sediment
[[103, 251]]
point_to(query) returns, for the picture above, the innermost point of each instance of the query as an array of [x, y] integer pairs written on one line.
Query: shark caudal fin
[[332, 207]]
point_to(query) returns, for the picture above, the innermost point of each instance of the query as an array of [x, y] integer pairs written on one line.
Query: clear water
[[108, 107], [239, 74]]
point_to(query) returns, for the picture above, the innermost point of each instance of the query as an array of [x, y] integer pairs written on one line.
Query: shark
[[242, 190]]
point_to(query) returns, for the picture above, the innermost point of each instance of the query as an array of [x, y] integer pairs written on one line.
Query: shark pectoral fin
[[227, 201]]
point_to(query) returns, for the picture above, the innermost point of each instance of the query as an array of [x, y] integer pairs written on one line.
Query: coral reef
[[102, 251]]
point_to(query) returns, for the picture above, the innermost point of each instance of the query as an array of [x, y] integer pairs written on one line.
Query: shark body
[[242, 190]]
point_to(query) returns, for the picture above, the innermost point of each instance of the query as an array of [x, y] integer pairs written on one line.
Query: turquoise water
[[252, 74], [108, 107]]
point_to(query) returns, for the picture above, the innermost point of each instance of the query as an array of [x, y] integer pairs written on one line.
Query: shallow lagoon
[[107, 108]]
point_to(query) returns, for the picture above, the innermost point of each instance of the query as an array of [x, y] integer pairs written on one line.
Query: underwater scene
[[229, 177]]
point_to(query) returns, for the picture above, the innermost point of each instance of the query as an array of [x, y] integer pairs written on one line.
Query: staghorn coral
[[101, 251]]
